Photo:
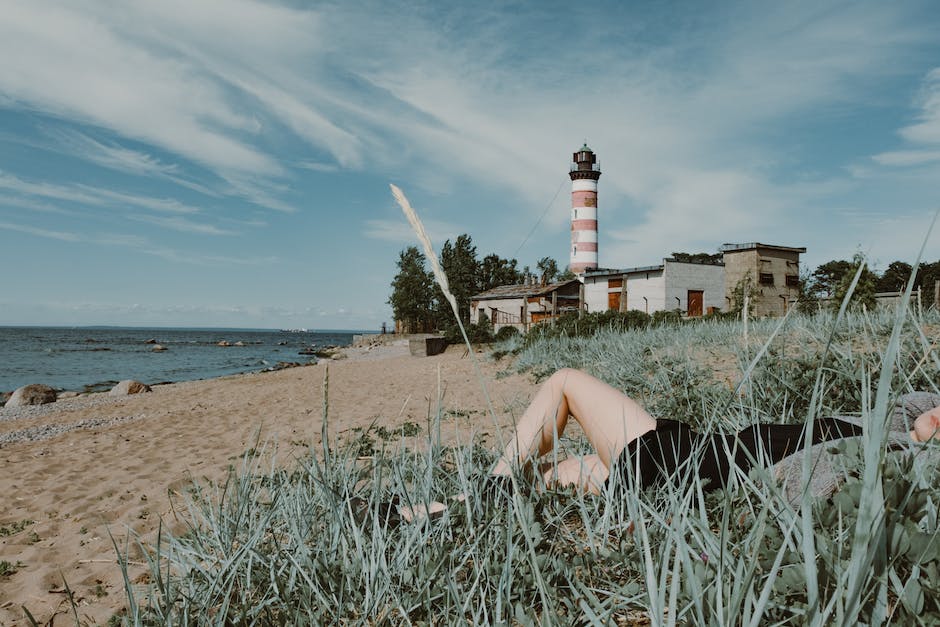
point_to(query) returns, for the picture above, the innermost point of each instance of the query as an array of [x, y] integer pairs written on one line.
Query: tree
[[548, 269], [411, 297], [895, 277], [711, 259], [864, 293], [495, 271], [459, 261], [827, 276]]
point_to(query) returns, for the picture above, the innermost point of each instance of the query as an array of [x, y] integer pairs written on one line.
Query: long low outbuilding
[[691, 288], [521, 306]]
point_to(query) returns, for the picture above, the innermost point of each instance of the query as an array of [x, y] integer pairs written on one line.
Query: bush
[[585, 325], [506, 333]]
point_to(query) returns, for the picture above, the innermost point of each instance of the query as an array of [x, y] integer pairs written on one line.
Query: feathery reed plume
[[441, 278]]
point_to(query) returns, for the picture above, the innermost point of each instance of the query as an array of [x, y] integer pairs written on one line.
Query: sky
[[227, 162]]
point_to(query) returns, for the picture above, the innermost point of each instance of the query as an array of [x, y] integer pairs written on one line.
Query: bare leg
[[588, 473], [609, 418]]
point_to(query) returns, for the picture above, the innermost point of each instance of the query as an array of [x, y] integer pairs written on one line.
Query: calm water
[[73, 358]]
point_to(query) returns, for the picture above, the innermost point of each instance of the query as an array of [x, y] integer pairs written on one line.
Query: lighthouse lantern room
[[584, 172]]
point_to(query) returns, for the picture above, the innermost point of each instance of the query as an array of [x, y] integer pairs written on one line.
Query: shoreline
[[122, 465], [308, 354]]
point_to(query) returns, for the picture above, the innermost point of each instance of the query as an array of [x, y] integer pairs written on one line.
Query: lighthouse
[[584, 172]]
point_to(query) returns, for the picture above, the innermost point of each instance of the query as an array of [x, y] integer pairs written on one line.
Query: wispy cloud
[[39, 232], [110, 155], [182, 225], [922, 137], [399, 232]]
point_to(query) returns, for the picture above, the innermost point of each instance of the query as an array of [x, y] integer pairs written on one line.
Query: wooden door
[[613, 298], [695, 299], [613, 301]]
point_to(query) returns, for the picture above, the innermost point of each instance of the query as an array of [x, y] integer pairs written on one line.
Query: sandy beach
[[113, 463]]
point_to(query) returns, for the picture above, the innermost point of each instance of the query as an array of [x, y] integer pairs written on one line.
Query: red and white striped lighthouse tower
[[585, 170]]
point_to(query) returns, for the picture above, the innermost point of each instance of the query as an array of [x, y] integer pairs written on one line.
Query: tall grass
[[276, 545], [283, 546]]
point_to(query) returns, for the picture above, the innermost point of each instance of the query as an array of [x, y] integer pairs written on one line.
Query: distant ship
[[293, 330]]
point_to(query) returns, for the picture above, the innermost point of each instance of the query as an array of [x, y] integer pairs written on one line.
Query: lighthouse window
[[574, 250], [575, 214]]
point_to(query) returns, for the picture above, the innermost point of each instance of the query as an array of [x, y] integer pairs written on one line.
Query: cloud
[[399, 231], [89, 195], [111, 155], [182, 225], [923, 137], [31, 230]]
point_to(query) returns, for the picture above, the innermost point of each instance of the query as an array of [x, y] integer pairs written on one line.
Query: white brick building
[[692, 288]]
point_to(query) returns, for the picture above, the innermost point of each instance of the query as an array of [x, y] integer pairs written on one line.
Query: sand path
[[76, 486]]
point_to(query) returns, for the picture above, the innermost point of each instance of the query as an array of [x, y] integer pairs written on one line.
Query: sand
[[119, 459]]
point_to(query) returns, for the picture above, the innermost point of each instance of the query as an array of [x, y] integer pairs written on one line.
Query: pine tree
[[411, 297], [459, 261]]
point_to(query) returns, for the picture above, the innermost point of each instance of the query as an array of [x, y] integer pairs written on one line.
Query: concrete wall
[[645, 291], [512, 306], [682, 277], [765, 300]]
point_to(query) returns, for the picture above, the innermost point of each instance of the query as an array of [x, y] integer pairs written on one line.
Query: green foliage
[[705, 258], [459, 261], [548, 269], [863, 296], [744, 287], [281, 546], [14, 527], [895, 277], [827, 277], [506, 333], [411, 291], [587, 324], [495, 271]]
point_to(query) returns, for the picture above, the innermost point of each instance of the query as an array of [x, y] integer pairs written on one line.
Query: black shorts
[[673, 448]]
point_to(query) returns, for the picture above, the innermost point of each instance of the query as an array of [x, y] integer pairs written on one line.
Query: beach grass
[[279, 543]]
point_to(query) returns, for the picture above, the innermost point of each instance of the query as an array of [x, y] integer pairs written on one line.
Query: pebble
[[44, 432]]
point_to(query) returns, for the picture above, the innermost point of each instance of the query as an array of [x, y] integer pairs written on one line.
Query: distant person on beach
[[633, 448]]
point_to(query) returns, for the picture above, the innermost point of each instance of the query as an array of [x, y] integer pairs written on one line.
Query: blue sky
[[226, 162]]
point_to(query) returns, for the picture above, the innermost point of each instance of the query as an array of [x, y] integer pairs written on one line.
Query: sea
[[95, 358]]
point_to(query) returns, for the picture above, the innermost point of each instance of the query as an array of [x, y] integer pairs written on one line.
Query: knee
[[564, 375]]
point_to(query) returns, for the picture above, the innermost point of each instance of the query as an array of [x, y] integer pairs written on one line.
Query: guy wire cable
[[547, 207]]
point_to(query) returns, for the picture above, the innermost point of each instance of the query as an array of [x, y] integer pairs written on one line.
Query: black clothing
[[653, 457]]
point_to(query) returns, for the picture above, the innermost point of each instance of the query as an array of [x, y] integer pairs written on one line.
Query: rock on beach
[[129, 386], [32, 394]]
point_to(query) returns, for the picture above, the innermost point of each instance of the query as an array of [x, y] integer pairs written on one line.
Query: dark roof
[[613, 271], [521, 291], [726, 248]]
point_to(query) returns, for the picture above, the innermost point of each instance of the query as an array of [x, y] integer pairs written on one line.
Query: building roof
[[521, 291], [618, 271], [726, 248]]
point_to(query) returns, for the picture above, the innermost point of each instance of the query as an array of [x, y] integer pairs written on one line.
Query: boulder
[[150, 341], [128, 386], [223, 343], [238, 343], [32, 394], [158, 348]]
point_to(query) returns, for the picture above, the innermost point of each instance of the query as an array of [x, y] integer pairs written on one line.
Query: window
[[575, 214], [793, 280], [766, 278]]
